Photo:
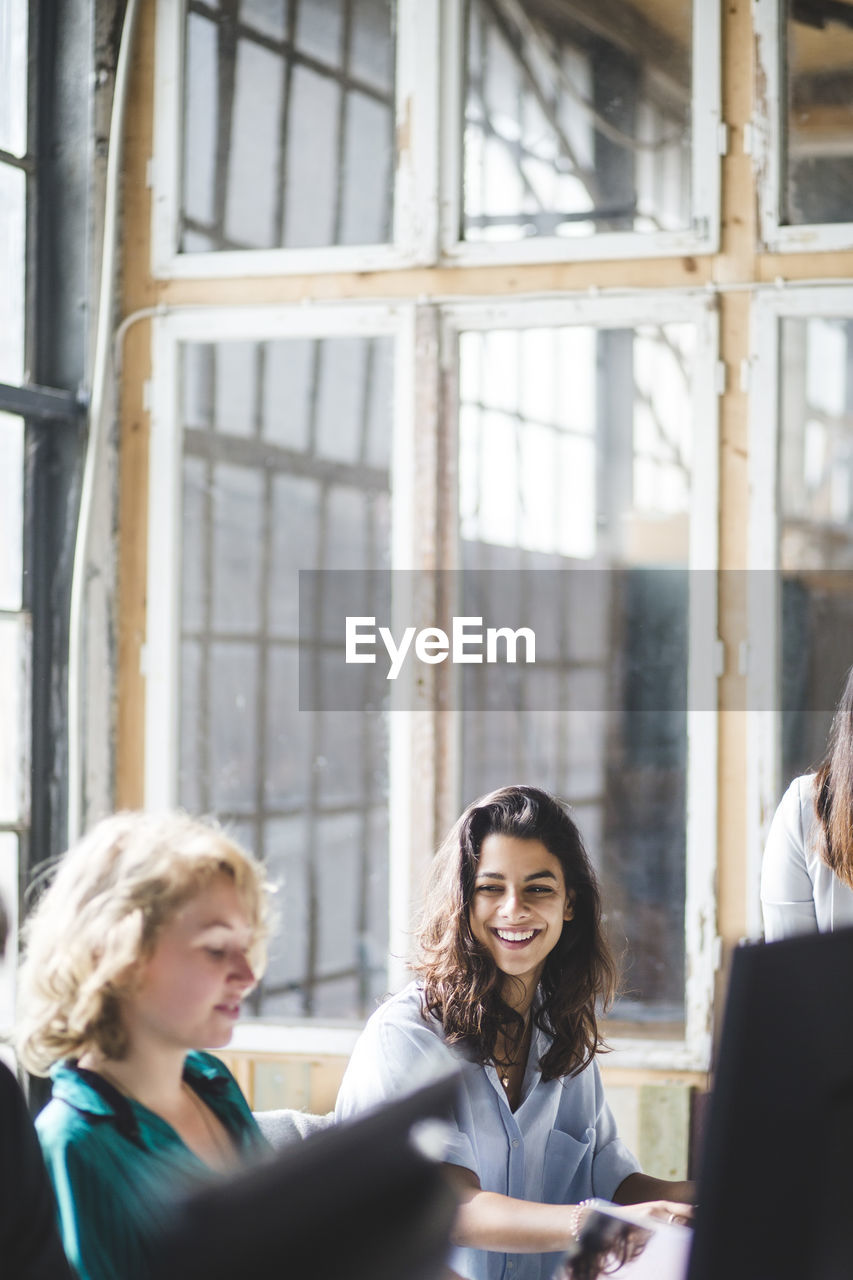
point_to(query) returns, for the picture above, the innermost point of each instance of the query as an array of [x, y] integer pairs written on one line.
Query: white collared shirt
[[559, 1147], [799, 892]]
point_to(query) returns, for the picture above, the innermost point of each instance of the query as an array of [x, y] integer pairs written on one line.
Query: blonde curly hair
[[101, 916]]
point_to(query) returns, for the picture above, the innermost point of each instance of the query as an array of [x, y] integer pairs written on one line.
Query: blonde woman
[[137, 958]]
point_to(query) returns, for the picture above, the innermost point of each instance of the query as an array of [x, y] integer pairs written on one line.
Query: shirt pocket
[[567, 1168]]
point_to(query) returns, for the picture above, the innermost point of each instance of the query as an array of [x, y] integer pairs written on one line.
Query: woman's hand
[[665, 1210]]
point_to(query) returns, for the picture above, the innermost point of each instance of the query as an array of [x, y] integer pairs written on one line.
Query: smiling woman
[[137, 959], [513, 966]]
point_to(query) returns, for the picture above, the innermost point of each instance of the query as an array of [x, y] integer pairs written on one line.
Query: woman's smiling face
[[519, 905]]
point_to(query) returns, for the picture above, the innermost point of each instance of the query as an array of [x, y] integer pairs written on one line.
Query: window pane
[[285, 111], [11, 510], [816, 530], [818, 159], [12, 684], [576, 126], [284, 472], [12, 242], [575, 460], [13, 76], [9, 894], [268, 17]]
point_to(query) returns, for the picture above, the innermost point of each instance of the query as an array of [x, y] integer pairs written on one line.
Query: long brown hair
[[834, 791], [462, 984]]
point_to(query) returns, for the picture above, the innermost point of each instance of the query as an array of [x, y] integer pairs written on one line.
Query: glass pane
[[576, 124], [816, 531], [285, 111], [575, 480], [11, 510], [251, 209], [13, 76], [232, 742], [818, 157], [286, 841], [12, 261], [238, 548], [12, 740], [9, 894], [282, 471], [268, 17]]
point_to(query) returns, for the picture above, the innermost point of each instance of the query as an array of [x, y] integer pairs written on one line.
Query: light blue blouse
[[559, 1147]]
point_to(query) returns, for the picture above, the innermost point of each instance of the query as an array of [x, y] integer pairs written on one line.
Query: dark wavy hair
[[462, 984], [834, 791]]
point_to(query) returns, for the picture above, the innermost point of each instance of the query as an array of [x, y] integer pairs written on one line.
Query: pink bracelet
[[578, 1213]]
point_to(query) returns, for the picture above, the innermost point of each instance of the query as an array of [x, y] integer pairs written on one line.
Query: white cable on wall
[[101, 370]]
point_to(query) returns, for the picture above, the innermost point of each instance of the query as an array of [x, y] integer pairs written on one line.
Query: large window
[[273, 454], [804, 126], [294, 136], [14, 702], [587, 510], [328, 135], [281, 100], [576, 126], [564, 450], [14, 636], [576, 452], [586, 461], [802, 537]]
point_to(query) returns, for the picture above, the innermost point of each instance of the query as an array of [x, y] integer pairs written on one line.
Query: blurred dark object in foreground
[[367, 1200], [616, 1240], [606, 1243]]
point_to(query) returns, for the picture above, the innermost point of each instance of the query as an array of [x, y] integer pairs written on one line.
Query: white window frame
[[702, 945], [160, 659], [415, 225], [764, 642], [767, 142], [428, 196], [708, 145], [161, 652]]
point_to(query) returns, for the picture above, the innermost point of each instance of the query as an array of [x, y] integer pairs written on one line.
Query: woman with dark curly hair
[[513, 967]]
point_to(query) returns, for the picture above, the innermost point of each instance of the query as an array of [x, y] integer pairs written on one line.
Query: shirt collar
[[85, 1090], [90, 1093]]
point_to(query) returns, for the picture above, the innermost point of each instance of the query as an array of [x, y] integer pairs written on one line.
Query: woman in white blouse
[[513, 966], [807, 871]]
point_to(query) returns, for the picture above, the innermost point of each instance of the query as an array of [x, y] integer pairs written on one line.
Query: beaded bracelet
[[578, 1212]]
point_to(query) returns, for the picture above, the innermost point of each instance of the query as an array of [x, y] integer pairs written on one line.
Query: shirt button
[[515, 1142], [510, 1264]]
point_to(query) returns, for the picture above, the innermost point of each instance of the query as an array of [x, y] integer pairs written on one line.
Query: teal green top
[[118, 1168]]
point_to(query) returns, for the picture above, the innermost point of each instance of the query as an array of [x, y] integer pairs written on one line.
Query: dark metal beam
[[42, 404]]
